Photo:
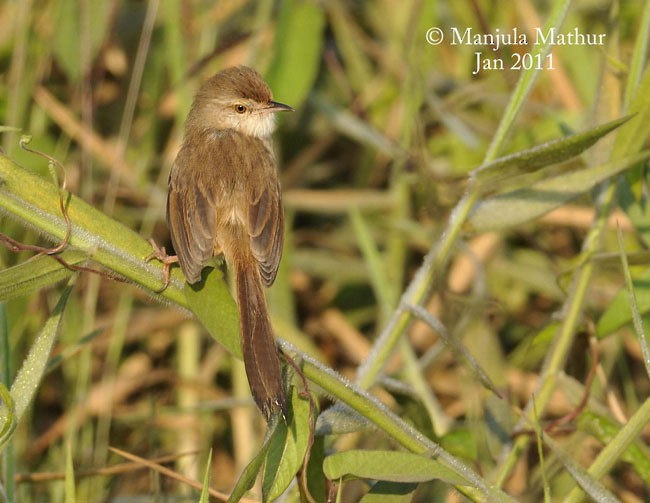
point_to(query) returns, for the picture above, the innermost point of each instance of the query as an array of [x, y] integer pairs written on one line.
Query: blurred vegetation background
[[386, 131]]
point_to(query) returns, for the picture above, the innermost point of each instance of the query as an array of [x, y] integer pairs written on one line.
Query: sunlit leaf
[[205, 491], [552, 152], [315, 477], [211, 302], [634, 307], [387, 465], [36, 273], [31, 372], [249, 474], [7, 416], [618, 312], [513, 208], [288, 449]]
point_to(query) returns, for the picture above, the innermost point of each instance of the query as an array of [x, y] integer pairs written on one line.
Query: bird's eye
[[240, 109]]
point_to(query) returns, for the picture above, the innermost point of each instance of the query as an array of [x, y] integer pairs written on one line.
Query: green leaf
[[389, 492], [634, 307], [340, 419], [636, 207], [297, 50], [7, 416], [315, 477], [205, 492], [526, 80], [288, 448], [249, 474], [213, 305], [387, 465], [508, 210], [530, 160], [618, 313], [30, 374], [36, 273]]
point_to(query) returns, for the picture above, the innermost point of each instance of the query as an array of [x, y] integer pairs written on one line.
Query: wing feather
[[191, 219], [266, 221]]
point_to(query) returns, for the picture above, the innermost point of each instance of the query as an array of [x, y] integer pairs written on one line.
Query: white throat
[[259, 125]]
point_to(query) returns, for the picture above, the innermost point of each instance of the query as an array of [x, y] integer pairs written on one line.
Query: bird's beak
[[274, 106]]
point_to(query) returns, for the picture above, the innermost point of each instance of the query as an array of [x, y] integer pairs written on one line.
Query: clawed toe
[[159, 253]]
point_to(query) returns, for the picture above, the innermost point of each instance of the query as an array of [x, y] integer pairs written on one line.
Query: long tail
[[257, 340]]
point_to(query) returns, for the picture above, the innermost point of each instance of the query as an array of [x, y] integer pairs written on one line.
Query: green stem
[[373, 410], [557, 356], [34, 202], [440, 254], [416, 293]]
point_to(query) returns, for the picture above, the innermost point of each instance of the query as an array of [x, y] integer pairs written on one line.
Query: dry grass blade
[[157, 467]]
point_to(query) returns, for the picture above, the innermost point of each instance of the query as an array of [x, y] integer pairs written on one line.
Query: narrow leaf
[[387, 465], [29, 376], [379, 278], [315, 477], [7, 416], [526, 80], [552, 152], [36, 273], [249, 474], [205, 492], [618, 313], [631, 296], [508, 210], [288, 449]]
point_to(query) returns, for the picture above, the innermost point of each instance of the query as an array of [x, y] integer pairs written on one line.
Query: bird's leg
[[159, 253]]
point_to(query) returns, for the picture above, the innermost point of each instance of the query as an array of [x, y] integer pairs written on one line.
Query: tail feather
[[258, 343]]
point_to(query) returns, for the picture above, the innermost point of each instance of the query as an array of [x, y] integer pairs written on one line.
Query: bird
[[224, 197]]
